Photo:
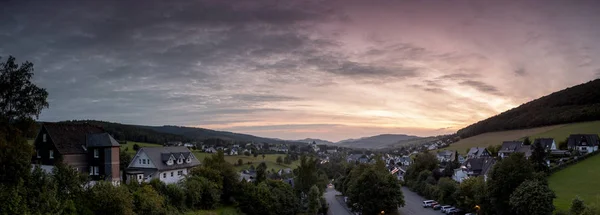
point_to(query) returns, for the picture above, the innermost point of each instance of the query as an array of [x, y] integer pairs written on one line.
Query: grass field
[[129, 146], [30, 141], [580, 179], [561, 133], [219, 211], [270, 160], [496, 138]]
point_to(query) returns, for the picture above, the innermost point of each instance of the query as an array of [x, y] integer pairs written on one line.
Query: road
[[414, 204], [335, 207]]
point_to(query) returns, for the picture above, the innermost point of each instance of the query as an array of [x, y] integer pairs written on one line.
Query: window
[[96, 153], [165, 175], [51, 154], [38, 153], [179, 161], [44, 138], [188, 160], [171, 174], [180, 172], [143, 161], [140, 161], [94, 170]]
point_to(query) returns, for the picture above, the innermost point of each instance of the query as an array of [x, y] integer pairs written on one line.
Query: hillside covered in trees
[[575, 104], [135, 133]]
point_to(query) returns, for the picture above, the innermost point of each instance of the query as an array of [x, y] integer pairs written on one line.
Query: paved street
[[414, 205], [335, 207]]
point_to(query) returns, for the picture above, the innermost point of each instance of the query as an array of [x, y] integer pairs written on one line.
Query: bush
[[147, 201]]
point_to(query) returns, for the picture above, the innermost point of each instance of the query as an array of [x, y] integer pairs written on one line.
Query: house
[[168, 164], [547, 143], [284, 171], [509, 147], [586, 143], [478, 152], [446, 156], [404, 161], [432, 147], [233, 151], [331, 151], [189, 145], [474, 167], [85, 147], [210, 150], [173, 143]]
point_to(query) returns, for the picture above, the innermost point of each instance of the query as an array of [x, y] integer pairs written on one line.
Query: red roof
[[70, 137]]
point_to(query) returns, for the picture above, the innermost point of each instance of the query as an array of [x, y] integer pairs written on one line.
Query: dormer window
[[179, 161], [96, 153], [188, 160], [170, 162]]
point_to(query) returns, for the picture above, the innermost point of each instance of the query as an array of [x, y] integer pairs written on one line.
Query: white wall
[[172, 179], [136, 161]]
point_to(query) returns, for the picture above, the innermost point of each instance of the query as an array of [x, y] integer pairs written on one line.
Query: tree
[[105, 198], [175, 196], [279, 160], [287, 160], [19, 97], [136, 147], [532, 197], [201, 193], [240, 162], [268, 198], [44, 199], [147, 201], [577, 206], [313, 200], [247, 153], [446, 189], [263, 156], [307, 175], [374, 191], [563, 145], [526, 141], [261, 173], [494, 150], [504, 178], [538, 157], [471, 193]]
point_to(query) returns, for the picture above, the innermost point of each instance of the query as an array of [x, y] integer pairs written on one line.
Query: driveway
[[335, 207], [414, 204]]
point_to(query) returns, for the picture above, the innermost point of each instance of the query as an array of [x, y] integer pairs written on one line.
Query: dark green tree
[[147, 201], [314, 200], [446, 190], [538, 158], [577, 206], [279, 160], [532, 197], [201, 193], [261, 173], [44, 199], [105, 198], [19, 97], [175, 196], [526, 141], [375, 191], [240, 162], [247, 153], [287, 160], [307, 175], [504, 178], [136, 147]]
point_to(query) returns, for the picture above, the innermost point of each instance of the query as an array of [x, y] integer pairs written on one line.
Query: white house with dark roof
[[478, 152], [168, 164], [587, 143]]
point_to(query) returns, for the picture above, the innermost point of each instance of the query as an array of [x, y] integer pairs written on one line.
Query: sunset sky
[[330, 69]]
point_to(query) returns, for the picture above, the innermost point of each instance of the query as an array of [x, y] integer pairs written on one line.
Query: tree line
[[575, 104]]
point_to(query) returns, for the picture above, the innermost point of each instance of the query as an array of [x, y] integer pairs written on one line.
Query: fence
[[573, 161]]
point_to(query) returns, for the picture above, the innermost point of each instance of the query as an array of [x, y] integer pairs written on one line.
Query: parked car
[[454, 212], [436, 207], [448, 210], [444, 208], [427, 203]]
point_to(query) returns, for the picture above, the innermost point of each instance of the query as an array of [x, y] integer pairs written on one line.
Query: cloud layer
[[294, 69]]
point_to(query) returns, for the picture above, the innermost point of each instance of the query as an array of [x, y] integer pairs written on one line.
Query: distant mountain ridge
[[318, 141], [202, 133], [376, 142], [579, 103]]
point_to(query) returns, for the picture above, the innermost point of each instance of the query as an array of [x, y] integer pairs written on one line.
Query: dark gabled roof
[[510, 146], [101, 140], [477, 151], [158, 154], [526, 150], [480, 165], [580, 139], [546, 142], [68, 138]]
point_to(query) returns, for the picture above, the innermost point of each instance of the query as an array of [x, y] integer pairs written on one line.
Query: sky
[[329, 69]]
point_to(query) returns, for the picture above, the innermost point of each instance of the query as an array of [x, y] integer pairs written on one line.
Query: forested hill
[[574, 104], [202, 134], [134, 132], [163, 134]]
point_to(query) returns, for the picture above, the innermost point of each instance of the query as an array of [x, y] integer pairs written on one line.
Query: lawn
[[270, 160], [580, 179], [129, 146], [30, 141], [496, 138], [561, 133], [218, 211]]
